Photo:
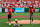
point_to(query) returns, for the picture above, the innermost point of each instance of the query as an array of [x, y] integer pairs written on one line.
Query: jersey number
[[32, 10]]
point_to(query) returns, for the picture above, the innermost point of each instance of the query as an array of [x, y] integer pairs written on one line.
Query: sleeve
[[8, 7], [12, 10], [34, 9]]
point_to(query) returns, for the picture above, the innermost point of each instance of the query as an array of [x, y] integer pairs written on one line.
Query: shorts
[[9, 16], [31, 15]]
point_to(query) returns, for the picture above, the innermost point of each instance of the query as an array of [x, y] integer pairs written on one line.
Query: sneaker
[[9, 23]]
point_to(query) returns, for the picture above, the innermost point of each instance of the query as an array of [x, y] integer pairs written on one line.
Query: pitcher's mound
[[25, 22]]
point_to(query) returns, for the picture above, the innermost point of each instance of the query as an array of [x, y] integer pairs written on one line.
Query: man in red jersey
[[10, 10], [31, 14]]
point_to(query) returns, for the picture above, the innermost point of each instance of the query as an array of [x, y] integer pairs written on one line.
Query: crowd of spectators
[[20, 4]]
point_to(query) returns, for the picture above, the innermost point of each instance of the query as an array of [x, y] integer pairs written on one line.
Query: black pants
[[9, 16]]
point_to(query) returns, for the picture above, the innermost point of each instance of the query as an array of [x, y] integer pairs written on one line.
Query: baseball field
[[23, 18]]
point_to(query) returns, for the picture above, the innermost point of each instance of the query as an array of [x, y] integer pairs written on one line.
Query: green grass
[[3, 24], [30, 25], [3, 20], [20, 14]]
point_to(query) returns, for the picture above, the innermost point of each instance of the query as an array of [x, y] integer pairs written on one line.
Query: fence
[[18, 10]]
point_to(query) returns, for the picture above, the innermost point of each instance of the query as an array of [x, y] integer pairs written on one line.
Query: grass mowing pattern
[[20, 14]]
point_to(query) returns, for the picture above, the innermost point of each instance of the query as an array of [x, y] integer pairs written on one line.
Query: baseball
[[15, 19]]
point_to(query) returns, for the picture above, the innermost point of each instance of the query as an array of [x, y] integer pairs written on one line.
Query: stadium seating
[[20, 4]]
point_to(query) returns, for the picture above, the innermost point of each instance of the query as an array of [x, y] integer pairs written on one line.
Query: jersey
[[32, 10], [10, 11]]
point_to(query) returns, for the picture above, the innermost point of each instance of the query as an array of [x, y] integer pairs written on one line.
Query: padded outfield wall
[[18, 10]]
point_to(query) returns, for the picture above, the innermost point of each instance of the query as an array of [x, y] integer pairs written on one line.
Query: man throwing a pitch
[[31, 14], [10, 10]]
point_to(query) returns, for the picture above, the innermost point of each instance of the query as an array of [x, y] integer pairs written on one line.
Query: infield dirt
[[25, 22]]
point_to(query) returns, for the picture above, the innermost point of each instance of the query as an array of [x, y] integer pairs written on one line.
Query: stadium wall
[[18, 10]]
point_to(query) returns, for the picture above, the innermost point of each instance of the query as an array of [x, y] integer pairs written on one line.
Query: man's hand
[[7, 6], [15, 12]]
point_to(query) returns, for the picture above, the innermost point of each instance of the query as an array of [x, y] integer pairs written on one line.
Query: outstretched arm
[[35, 10], [15, 12]]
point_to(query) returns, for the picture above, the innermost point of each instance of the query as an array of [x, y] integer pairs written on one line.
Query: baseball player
[[10, 10], [31, 14]]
